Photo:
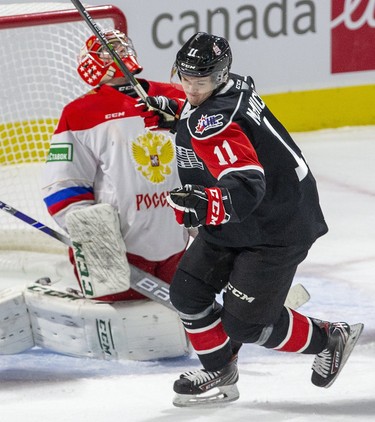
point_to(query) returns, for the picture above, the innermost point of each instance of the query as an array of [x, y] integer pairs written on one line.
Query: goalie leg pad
[[135, 330], [15, 326], [99, 250]]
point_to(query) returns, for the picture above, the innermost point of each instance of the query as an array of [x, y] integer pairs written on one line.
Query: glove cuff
[[219, 206]]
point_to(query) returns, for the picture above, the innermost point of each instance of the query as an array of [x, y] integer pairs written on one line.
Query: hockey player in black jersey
[[249, 190]]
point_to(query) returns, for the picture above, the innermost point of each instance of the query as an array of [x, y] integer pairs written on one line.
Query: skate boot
[[341, 341], [202, 388]]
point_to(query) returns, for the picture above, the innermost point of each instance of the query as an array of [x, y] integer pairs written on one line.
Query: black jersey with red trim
[[233, 140]]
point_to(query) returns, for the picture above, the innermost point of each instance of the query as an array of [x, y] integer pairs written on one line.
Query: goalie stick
[[147, 284]]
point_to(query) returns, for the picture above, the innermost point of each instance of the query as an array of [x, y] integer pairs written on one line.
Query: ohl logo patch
[[352, 35], [208, 122], [153, 153]]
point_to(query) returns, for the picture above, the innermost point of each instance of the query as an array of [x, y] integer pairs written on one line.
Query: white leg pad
[[15, 327], [136, 330], [99, 250]]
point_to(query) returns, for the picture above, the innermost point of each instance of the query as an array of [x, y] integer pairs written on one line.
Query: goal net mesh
[[39, 45]]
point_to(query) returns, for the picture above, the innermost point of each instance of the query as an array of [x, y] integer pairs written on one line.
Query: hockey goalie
[[105, 183]]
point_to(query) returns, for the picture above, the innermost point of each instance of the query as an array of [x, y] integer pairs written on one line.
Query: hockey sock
[[297, 333], [208, 338]]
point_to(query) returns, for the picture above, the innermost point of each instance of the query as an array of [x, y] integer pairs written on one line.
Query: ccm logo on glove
[[216, 215]]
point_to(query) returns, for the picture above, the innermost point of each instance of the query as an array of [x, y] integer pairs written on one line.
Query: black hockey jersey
[[233, 140]]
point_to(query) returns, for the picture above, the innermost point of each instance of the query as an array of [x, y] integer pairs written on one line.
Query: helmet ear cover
[[96, 66]]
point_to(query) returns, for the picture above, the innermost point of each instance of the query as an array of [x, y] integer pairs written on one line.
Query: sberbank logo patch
[[60, 152]]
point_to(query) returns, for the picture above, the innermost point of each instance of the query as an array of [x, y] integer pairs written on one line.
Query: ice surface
[[339, 273]]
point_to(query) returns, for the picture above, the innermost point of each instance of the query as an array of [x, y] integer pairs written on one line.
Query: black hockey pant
[[256, 282]]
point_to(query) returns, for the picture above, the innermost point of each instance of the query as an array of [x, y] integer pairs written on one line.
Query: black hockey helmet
[[203, 55]]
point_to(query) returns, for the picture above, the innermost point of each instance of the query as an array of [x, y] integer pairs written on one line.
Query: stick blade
[[297, 296]]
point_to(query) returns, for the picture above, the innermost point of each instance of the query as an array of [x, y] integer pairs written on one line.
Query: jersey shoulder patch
[[217, 112], [210, 118], [202, 125]]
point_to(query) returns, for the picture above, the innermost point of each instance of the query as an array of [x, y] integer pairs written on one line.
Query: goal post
[[39, 45], [56, 16]]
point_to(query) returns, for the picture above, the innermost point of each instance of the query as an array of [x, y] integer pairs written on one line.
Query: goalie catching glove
[[161, 112], [196, 205]]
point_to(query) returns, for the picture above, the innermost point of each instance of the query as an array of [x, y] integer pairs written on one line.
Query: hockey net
[[39, 45]]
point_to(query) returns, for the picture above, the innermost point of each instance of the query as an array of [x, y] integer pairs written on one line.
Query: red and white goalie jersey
[[101, 153]]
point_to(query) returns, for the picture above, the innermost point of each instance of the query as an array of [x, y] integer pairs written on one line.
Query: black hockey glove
[[196, 205], [164, 104], [160, 112]]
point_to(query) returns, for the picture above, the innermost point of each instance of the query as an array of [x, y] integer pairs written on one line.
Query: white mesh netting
[[38, 77]]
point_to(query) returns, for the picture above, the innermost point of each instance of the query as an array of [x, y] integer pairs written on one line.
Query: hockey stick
[[112, 52], [116, 58], [39, 226], [147, 284]]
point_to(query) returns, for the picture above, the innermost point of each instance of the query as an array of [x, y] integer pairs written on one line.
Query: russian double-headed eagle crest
[[153, 153]]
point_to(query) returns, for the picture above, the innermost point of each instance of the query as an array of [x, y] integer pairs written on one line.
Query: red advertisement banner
[[352, 35]]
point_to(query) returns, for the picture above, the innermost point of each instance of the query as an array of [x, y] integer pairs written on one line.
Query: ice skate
[[327, 365], [202, 388]]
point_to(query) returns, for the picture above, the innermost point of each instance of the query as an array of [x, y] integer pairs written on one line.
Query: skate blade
[[355, 332], [214, 397]]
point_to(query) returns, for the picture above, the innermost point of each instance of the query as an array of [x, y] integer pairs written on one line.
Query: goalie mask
[[96, 66], [206, 58]]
